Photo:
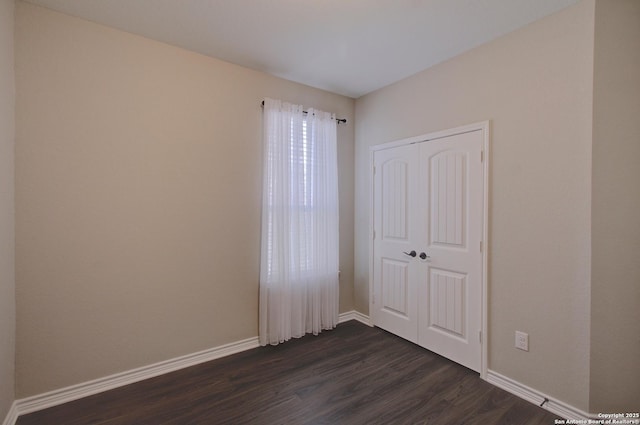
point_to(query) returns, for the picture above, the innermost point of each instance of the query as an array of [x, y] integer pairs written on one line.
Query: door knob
[[410, 254], [424, 256]]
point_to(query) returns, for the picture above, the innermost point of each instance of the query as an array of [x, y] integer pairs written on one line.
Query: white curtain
[[299, 257]]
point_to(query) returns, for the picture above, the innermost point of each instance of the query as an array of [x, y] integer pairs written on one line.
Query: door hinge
[[374, 234], [480, 336], [481, 156], [480, 246], [374, 170]]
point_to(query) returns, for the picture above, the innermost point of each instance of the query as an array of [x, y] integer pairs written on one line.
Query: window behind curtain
[[299, 263]]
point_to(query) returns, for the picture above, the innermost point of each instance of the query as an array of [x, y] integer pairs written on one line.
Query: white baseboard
[[12, 415], [75, 392], [536, 397], [354, 315]]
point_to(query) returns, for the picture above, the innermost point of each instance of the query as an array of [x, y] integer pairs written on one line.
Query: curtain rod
[[338, 120]]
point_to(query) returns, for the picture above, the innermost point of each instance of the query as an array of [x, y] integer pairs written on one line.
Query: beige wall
[[7, 276], [138, 191], [535, 85], [615, 292]]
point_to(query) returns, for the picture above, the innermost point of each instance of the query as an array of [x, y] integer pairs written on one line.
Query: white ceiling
[[350, 47]]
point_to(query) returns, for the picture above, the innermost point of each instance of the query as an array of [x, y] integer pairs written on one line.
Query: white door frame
[[484, 126]]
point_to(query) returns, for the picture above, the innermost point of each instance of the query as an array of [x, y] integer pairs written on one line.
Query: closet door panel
[[395, 270], [450, 278]]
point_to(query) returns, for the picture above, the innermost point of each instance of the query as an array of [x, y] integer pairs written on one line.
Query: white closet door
[[427, 258], [395, 294], [450, 278]]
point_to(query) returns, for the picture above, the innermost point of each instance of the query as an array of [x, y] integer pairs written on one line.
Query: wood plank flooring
[[353, 374]]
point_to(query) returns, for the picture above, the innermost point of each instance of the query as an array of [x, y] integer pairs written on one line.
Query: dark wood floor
[[351, 375]]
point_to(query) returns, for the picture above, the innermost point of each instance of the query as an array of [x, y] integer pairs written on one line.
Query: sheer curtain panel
[[299, 253]]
